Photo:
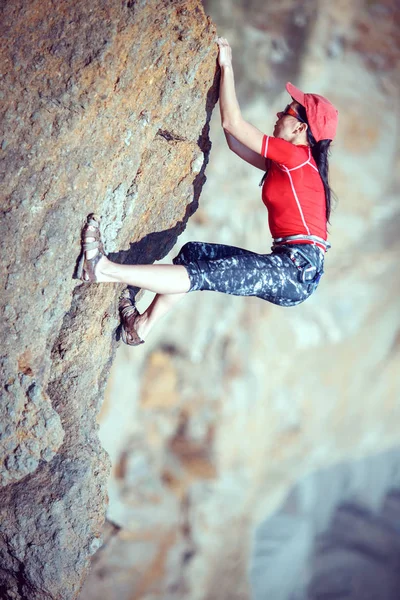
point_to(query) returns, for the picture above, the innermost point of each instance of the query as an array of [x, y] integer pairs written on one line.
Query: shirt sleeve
[[283, 152]]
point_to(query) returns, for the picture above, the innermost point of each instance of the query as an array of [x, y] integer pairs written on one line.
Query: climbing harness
[[308, 271], [299, 238]]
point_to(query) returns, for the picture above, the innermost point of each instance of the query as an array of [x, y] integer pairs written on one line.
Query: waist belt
[[314, 239]]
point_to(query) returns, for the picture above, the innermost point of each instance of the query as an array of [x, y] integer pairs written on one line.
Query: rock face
[[105, 109]]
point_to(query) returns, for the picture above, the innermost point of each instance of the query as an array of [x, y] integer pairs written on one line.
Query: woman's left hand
[[225, 53]]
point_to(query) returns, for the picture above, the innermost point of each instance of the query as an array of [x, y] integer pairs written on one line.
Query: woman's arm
[[253, 158], [232, 121]]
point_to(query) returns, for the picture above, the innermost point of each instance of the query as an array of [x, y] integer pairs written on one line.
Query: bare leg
[[161, 304], [169, 282], [161, 279]]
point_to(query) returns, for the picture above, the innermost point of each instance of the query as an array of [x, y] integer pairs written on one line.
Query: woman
[[295, 191]]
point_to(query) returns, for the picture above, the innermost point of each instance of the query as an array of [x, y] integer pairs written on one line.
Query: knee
[[184, 254], [188, 248]]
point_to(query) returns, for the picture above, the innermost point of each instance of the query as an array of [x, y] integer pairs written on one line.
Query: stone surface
[[263, 397], [105, 109]]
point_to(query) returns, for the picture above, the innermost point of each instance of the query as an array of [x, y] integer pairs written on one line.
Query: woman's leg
[[162, 279], [161, 304]]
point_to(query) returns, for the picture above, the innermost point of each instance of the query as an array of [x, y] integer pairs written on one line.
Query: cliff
[[105, 109]]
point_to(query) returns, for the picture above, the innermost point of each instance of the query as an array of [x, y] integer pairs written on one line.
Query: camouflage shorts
[[273, 277]]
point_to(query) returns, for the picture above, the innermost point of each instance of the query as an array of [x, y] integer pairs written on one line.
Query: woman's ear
[[301, 128]]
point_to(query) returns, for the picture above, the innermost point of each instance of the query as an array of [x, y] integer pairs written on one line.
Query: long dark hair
[[320, 152]]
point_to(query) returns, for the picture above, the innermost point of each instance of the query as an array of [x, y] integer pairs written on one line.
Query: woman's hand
[[225, 53]]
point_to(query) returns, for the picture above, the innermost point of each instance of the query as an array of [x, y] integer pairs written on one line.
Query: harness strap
[[300, 238]]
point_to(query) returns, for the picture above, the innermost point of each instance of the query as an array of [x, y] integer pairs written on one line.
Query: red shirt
[[293, 191]]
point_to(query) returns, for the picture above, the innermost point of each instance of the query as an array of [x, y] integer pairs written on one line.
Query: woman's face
[[287, 125]]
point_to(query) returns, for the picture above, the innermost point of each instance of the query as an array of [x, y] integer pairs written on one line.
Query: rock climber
[[296, 192]]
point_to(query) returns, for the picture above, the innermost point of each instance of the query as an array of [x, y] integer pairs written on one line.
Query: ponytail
[[320, 152]]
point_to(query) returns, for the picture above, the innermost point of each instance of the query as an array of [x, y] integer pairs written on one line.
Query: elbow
[[229, 127]]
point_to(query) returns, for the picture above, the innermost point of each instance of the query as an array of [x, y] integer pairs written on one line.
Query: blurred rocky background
[[254, 449]]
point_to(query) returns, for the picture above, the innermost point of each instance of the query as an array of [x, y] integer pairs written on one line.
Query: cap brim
[[296, 94]]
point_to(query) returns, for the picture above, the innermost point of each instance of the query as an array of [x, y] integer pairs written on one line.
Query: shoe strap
[[90, 245], [128, 311]]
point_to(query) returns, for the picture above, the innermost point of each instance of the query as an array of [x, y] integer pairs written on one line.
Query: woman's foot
[[93, 260], [132, 322]]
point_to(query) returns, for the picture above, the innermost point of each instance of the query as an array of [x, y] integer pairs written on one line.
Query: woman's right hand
[[225, 53]]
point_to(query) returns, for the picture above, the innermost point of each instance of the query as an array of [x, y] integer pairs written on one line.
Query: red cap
[[322, 116]]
